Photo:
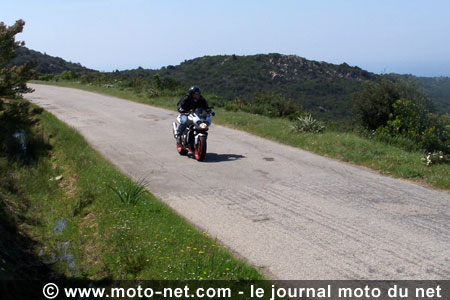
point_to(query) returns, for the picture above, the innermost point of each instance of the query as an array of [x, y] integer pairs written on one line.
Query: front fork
[[197, 136], [174, 127]]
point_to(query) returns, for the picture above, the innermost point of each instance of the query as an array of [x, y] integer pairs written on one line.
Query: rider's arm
[[181, 106], [204, 104]]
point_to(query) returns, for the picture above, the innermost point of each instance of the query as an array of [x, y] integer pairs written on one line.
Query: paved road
[[294, 214]]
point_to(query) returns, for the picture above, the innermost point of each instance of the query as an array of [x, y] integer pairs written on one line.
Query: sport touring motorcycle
[[193, 139]]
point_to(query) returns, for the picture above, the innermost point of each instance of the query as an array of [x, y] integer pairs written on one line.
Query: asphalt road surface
[[291, 213]]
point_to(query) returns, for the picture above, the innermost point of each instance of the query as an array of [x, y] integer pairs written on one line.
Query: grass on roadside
[[348, 147], [83, 230]]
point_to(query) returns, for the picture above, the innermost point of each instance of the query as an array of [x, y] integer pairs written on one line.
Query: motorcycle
[[194, 137]]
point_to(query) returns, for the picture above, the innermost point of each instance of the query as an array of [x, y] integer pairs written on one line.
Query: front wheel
[[200, 150], [180, 150]]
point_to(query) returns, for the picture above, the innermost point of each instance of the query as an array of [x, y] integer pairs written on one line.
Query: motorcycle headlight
[[203, 125]]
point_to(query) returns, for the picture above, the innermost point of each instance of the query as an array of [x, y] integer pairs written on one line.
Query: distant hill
[[321, 87], [324, 88], [317, 86], [46, 64]]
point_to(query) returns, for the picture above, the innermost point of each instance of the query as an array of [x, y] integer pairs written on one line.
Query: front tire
[[200, 150], [180, 150]]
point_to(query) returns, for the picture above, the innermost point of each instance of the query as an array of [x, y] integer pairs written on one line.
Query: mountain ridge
[[323, 88], [46, 64], [315, 86]]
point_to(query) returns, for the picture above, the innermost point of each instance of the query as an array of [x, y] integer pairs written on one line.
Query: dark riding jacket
[[187, 102]]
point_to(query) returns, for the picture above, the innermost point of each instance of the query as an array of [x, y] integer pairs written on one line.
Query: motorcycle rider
[[189, 102]]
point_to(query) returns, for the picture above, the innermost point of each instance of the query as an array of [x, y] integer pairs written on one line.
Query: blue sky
[[377, 35]]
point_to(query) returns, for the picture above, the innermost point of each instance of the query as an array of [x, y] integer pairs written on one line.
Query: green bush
[[66, 75], [374, 106], [307, 123], [266, 104], [413, 121], [46, 77], [273, 105], [129, 192], [400, 113]]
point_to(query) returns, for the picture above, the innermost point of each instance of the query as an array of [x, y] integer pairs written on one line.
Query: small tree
[[13, 79], [16, 117]]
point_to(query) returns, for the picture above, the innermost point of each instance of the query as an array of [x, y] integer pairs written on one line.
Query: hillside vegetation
[[45, 64], [319, 87], [325, 89]]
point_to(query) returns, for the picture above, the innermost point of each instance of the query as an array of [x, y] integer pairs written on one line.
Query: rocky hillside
[[321, 87], [317, 86]]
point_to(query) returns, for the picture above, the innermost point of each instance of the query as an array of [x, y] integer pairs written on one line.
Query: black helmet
[[194, 90]]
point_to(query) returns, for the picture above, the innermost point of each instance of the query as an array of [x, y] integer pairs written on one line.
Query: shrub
[[399, 111], [65, 75], [307, 123], [47, 77], [412, 121], [273, 105], [236, 105], [374, 106], [129, 192], [265, 104]]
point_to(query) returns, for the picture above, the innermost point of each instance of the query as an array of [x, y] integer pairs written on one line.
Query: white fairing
[[195, 119]]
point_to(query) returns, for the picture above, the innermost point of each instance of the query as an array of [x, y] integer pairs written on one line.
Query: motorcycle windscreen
[[201, 113]]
